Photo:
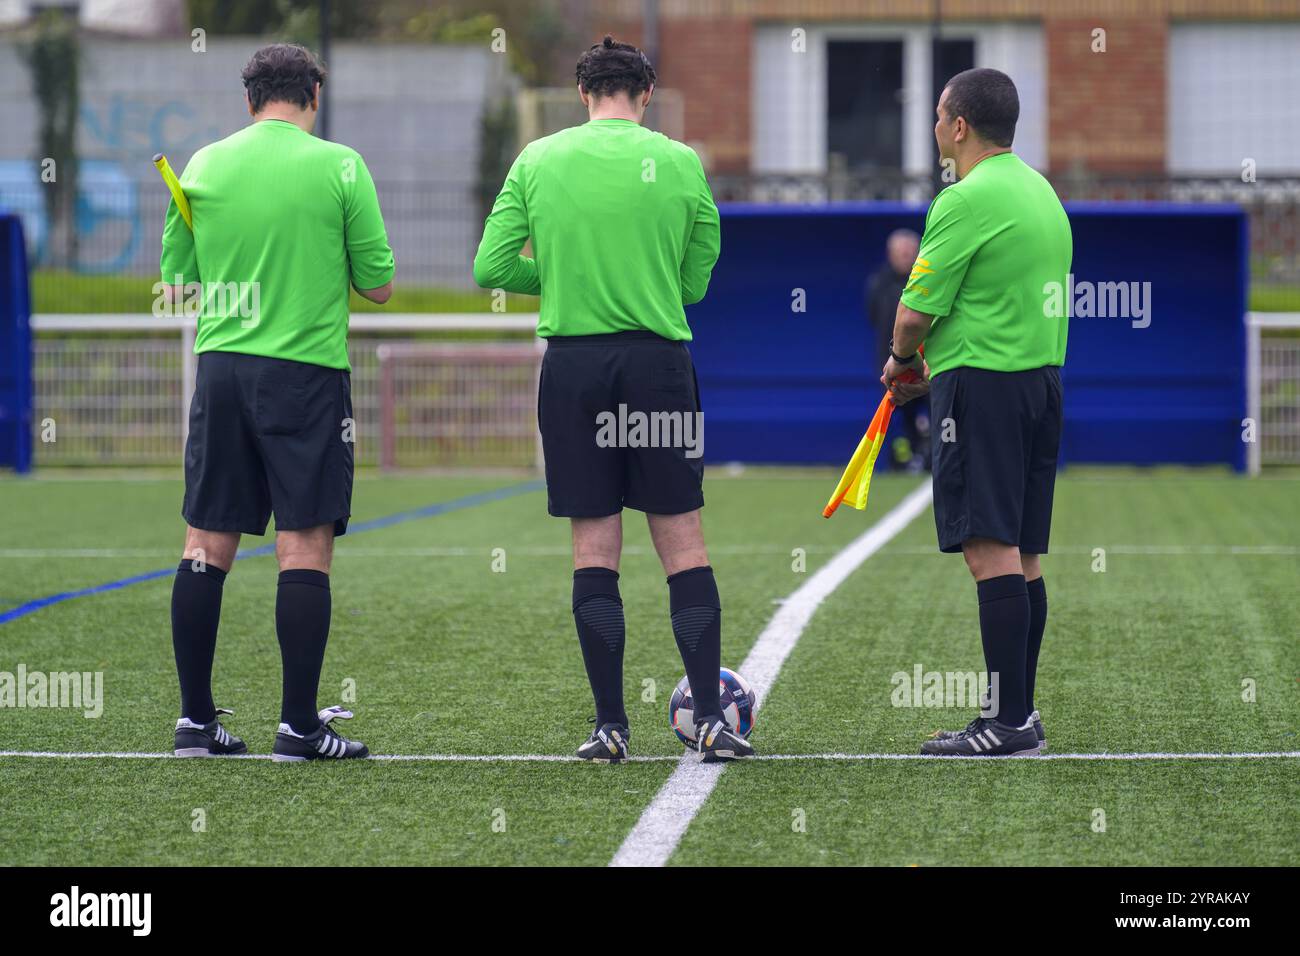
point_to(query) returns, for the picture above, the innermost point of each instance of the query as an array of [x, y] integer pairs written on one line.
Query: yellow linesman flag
[[174, 184]]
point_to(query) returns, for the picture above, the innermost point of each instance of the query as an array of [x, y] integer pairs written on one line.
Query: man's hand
[[905, 380], [910, 330]]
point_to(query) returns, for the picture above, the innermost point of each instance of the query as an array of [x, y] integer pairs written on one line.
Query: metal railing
[[459, 403], [434, 227], [1273, 388], [115, 390]]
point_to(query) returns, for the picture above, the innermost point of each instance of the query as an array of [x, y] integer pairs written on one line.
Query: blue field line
[[374, 524]]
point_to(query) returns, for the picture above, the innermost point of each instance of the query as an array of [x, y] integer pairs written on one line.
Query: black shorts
[[268, 436], [995, 437], [621, 425]]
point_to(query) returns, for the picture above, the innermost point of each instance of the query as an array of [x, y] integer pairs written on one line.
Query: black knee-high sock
[[302, 624], [196, 610], [598, 615], [697, 626], [1037, 624], [1004, 629]]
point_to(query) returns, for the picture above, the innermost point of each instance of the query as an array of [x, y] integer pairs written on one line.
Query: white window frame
[[788, 89]]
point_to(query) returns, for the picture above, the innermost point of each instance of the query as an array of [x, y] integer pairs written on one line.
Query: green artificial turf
[[448, 654]]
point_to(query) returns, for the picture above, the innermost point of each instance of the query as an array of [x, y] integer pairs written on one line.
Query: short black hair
[[988, 101], [610, 67], [282, 73]]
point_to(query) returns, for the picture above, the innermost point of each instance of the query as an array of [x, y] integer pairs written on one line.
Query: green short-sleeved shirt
[[993, 243], [623, 227], [283, 222]]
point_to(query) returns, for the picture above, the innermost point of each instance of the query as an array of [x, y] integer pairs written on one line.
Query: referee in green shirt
[[624, 233], [283, 224], [995, 243]]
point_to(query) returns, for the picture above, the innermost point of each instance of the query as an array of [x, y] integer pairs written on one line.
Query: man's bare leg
[[679, 541], [597, 542]]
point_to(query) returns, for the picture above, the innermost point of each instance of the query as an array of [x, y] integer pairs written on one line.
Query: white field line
[[1260, 550], [665, 820], [484, 551], [566, 758]]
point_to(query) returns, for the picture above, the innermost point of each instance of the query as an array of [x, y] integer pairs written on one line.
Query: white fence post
[[1256, 372]]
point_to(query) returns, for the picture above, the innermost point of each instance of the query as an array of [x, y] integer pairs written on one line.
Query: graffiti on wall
[[119, 136]]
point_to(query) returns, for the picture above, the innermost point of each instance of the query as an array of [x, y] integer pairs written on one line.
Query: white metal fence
[[1273, 388], [115, 389], [458, 403]]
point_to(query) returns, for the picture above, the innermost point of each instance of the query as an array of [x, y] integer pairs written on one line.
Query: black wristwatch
[[898, 358]]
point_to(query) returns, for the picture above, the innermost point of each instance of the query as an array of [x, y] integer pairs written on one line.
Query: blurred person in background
[[911, 450]]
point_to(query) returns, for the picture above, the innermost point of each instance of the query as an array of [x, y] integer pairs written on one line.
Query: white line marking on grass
[[569, 758], [1248, 755], [665, 820], [544, 551], [344, 551]]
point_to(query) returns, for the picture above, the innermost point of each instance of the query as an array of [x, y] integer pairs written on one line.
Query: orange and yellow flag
[[856, 480]]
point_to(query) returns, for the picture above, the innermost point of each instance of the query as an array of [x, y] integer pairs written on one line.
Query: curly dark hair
[[610, 67], [282, 73]]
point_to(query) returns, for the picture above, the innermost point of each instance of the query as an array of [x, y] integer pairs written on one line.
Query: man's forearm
[[910, 330], [509, 271], [695, 276], [378, 295]]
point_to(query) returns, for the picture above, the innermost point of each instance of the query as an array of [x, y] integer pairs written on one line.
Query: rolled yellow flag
[[174, 184]]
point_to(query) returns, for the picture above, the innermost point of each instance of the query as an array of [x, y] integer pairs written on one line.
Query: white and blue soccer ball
[[738, 701]]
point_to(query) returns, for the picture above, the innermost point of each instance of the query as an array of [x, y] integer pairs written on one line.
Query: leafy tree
[[297, 20], [53, 56]]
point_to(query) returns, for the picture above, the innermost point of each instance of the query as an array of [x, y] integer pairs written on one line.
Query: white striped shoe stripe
[[993, 737]]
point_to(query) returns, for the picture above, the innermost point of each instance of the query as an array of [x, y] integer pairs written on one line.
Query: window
[[864, 103], [864, 92]]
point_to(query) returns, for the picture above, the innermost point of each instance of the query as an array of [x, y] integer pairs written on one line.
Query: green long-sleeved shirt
[[283, 221], [623, 227]]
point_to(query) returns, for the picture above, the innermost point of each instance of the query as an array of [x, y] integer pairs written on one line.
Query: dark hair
[[283, 73], [610, 67], [988, 101]]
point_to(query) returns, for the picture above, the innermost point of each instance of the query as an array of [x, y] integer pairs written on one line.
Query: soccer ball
[[738, 703]]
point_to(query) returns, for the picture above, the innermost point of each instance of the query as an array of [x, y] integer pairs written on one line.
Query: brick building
[[1144, 88]]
